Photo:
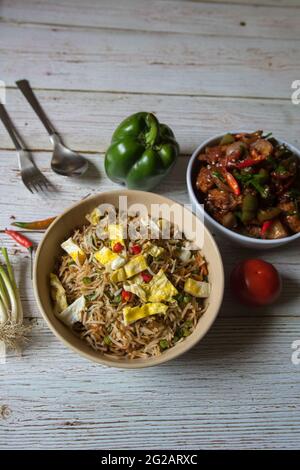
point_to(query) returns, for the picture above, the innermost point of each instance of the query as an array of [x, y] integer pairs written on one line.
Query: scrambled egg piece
[[116, 233], [58, 293], [136, 265], [72, 314], [118, 276], [74, 251], [132, 314], [154, 250], [157, 290], [197, 288], [137, 279], [137, 290], [94, 216], [109, 259], [160, 288]]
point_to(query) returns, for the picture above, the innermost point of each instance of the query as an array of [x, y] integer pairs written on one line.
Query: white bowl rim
[[135, 364], [214, 223]]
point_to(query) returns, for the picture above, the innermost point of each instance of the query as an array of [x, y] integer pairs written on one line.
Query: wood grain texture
[[72, 58], [207, 398], [160, 16], [269, 3], [86, 120], [91, 66]]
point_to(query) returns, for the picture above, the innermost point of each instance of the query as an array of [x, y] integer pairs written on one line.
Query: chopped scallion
[[107, 340], [163, 344]]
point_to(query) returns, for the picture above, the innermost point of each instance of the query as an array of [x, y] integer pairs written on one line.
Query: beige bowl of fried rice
[[124, 290]]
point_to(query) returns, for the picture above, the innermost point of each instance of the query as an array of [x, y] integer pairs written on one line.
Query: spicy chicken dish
[[250, 184], [127, 297]]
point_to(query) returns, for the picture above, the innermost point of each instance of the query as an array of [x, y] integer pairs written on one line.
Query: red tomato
[[255, 282]]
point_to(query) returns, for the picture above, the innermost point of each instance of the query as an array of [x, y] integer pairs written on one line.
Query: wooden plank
[[87, 120], [237, 388], [270, 3], [161, 16], [128, 61], [72, 190]]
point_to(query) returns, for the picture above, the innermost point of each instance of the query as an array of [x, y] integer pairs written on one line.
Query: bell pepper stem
[[153, 125]]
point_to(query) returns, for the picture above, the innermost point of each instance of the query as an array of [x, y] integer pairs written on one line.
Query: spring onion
[[107, 340], [12, 330]]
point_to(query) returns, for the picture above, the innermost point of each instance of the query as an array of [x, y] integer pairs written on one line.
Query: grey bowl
[[244, 240]]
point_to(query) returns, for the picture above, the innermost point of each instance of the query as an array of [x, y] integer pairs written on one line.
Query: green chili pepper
[[141, 153], [86, 280], [267, 214], [267, 136], [249, 208], [264, 191], [227, 139]]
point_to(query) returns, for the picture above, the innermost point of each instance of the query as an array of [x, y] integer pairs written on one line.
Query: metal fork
[[31, 176]]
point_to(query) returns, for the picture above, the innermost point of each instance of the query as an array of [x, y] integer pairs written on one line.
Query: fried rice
[[101, 322]]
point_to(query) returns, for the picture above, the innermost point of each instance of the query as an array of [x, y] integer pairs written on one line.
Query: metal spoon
[[64, 161]]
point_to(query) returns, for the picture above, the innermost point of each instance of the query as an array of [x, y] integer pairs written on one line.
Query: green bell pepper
[[141, 153]]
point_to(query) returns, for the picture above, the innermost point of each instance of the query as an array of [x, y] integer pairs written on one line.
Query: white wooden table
[[203, 68]]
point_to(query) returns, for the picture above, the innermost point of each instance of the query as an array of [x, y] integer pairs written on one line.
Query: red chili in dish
[[136, 249], [126, 296], [146, 276], [118, 247]]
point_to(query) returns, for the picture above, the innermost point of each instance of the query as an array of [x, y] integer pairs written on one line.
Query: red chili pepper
[[20, 238], [118, 247], [146, 276], [136, 249], [23, 241], [232, 182], [249, 162], [265, 227], [126, 296]]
